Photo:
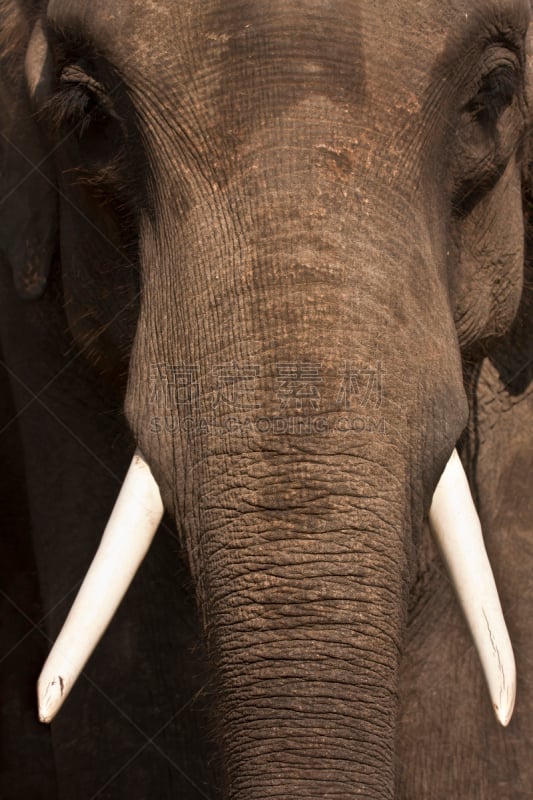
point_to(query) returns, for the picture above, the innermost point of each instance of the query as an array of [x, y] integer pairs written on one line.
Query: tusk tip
[[502, 682], [504, 710], [50, 698], [503, 715]]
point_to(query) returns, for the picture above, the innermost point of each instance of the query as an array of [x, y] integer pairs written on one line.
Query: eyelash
[[72, 107], [78, 104]]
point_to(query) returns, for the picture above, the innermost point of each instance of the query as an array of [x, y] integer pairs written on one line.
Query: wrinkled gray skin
[[255, 184]]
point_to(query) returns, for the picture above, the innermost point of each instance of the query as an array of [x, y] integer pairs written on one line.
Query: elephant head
[[297, 223]]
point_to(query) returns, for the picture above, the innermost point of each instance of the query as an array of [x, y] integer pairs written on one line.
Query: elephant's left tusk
[[455, 524], [127, 537]]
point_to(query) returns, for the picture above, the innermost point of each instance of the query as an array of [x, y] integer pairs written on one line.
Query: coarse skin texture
[[245, 189]]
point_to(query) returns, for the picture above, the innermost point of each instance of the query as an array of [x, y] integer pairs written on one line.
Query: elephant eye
[[490, 128], [79, 103], [497, 91]]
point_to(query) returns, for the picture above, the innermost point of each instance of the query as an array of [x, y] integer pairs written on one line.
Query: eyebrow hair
[[64, 35]]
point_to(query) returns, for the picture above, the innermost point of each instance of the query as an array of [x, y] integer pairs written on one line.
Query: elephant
[[276, 257]]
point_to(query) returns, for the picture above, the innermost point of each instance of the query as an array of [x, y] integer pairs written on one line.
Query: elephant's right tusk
[[127, 537], [457, 530]]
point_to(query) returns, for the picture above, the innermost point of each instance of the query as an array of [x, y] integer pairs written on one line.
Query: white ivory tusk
[[127, 537], [457, 530]]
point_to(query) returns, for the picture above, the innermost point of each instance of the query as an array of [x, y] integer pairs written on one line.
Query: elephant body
[[279, 248]]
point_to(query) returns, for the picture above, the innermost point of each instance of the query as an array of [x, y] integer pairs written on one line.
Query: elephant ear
[[499, 437], [512, 355], [28, 198]]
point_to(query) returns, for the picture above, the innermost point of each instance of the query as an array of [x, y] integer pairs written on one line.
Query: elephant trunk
[[304, 609]]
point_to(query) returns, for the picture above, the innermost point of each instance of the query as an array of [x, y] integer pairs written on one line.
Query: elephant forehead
[[317, 34], [343, 44]]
